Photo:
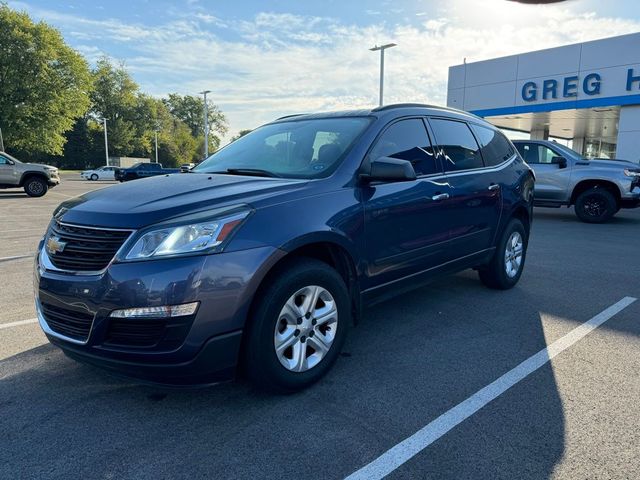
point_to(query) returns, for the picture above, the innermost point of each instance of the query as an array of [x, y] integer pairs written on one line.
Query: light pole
[[382, 48], [156, 132], [106, 142], [206, 123], [1, 142]]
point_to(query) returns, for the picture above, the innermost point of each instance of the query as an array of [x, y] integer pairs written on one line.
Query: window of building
[[408, 140], [459, 148], [494, 145]]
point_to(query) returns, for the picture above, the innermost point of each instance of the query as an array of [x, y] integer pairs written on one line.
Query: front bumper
[[54, 180], [632, 199], [201, 349]]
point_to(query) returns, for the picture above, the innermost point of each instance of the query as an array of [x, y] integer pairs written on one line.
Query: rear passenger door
[[475, 202]]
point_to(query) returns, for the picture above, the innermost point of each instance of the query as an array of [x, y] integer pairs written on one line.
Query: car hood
[[40, 165], [612, 163], [152, 200]]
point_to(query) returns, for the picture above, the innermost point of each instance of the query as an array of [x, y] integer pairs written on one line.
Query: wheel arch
[[32, 173], [585, 185], [330, 248]]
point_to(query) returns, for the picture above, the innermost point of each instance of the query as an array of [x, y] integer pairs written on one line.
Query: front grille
[[84, 249], [135, 333], [69, 323]]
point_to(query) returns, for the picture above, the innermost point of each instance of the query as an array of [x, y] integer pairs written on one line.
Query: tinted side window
[[408, 140], [459, 148], [534, 153], [3, 161], [494, 145]]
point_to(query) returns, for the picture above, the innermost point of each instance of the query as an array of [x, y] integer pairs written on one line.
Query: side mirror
[[560, 161], [387, 169]]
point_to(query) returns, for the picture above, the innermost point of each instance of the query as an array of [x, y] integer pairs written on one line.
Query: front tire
[[298, 326], [596, 205], [35, 187], [93, 177], [506, 265]]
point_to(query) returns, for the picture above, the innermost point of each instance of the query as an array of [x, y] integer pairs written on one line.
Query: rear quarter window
[[494, 145]]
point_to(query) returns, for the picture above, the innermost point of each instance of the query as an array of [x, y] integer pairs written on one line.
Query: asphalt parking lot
[[410, 360]]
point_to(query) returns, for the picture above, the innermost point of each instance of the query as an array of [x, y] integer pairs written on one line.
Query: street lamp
[[106, 143], [206, 123], [156, 127], [382, 48]]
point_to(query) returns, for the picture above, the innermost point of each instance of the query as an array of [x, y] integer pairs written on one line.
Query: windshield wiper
[[255, 172]]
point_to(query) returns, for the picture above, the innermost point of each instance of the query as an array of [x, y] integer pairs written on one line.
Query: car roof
[[390, 112]]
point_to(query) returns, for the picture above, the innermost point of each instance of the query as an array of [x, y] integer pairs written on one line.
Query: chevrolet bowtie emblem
[[55, 245]]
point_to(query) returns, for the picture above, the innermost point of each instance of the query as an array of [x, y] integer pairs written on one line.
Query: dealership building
[[587, 94]]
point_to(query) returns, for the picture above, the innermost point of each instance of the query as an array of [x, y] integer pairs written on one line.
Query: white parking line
[[17, 324], [408, 448]]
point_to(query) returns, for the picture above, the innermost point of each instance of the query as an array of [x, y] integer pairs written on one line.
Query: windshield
[[569, 152], [295, 149]]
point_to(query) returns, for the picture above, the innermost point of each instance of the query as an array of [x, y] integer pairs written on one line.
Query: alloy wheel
[[513, 254], [35, 188], [595, 206]]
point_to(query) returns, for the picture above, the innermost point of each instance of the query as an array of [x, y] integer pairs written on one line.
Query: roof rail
[[292, 115], [409, 105], [401, 105]]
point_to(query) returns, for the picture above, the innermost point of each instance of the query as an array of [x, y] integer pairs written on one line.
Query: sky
[[265, 59]]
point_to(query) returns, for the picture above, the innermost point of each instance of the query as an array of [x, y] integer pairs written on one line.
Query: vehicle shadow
[[13, 195], [568, 215], [410, 360]]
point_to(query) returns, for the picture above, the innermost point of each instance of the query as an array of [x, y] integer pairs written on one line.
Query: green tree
[[44, 85], [115, 97], [241, 133], [190, 110]]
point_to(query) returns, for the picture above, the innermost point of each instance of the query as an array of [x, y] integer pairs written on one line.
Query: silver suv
[[598, 188], [34, 178]]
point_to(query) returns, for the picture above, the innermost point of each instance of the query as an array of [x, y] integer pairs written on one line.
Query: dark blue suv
[[266, 253]]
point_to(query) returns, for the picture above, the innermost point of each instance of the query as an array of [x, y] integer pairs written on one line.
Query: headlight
[[631, 173], [185, 239]]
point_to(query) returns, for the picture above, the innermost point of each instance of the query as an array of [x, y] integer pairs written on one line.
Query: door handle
[[494, 186], [440, 196]]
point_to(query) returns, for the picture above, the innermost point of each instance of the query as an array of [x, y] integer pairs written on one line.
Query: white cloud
[[275, 63]]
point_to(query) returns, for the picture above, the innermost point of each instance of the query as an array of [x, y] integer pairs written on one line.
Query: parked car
[[266, 253], [142, 170], [34, 178], [598, 188], [101, 173], [186, 167]]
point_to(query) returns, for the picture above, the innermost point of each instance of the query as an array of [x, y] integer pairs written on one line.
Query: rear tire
[[285, 349], [35, 187], [506, 265], [596, 205]]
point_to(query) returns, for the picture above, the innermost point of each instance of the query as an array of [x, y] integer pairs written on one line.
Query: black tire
[[494, 274], [93, 177], [35, 187], [596, 205], [260, 362]]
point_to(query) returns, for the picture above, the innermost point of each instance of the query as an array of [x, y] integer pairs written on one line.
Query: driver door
[[406, 230], [8, 174], [552, 180]]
